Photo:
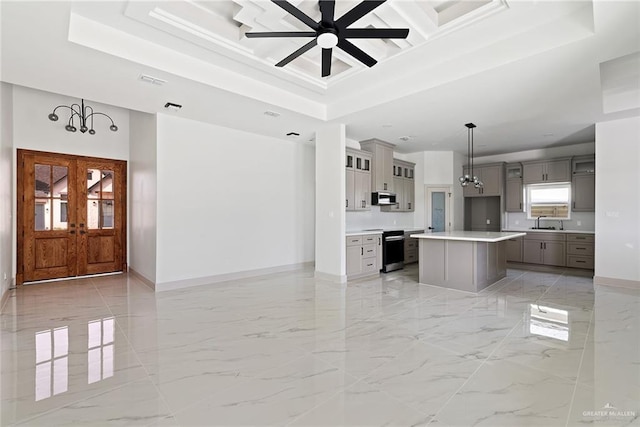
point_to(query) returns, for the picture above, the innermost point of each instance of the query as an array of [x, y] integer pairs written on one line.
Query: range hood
[[382, 198]]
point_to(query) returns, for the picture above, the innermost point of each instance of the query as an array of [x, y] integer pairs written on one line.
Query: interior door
[[438, 209], [46, 216], [71, 216]]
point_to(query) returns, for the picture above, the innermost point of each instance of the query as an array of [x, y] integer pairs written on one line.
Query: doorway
[[71, 216], [438, 208]]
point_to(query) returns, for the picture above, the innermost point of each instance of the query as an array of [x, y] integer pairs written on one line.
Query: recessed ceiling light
[[547, 135], [153, 80], [172, 106], [271, 114], [387, 126], [404, 138]]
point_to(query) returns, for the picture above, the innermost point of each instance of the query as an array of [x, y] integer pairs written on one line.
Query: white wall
[[230, 201], [617, 248], [6, 189], [34, 131], [330, 194], [143, 194]]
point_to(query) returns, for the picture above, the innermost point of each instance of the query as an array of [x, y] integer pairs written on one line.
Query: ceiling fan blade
[[327, 8], [356, 52], [281, 34], [297, 13], [326, 62], [357, 12], [297, 53], [375, 33]]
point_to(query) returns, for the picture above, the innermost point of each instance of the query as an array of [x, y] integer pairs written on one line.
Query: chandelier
[[469, 177], [84, 114]]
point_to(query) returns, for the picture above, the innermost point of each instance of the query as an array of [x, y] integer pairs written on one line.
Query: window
[[63, 211], [548, 200]]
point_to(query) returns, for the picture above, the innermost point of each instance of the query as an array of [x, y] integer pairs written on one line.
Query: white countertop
[[530, 230], [382, 229], [470, 236]]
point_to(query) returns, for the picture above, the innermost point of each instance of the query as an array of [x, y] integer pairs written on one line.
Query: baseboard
[[143, 279], [208, 280], [335, 278], [5, 297], [617, 283]]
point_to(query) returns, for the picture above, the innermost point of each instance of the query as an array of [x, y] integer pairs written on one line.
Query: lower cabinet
[[410, 248], [544, 248], [514, 249], [363, 255], [580, 250]]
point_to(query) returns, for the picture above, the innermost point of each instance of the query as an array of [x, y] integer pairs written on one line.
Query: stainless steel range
[[392, 250]]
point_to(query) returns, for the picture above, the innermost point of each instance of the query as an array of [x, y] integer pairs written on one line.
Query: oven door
[[393, 253]]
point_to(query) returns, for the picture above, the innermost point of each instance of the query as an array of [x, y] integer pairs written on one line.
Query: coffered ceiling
[[526, 72]]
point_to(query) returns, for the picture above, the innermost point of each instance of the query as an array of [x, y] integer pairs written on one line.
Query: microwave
[[381, 198]]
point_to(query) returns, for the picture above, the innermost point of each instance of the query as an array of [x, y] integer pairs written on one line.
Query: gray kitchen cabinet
[[358, 180], [382, 164], [410, 248], [583, 184], [514, 249], [514, 196], [580, 253], [492, 178], [544, 248], [513, 190], [409, 195], [363, 255], [543, 171], [404, 187]]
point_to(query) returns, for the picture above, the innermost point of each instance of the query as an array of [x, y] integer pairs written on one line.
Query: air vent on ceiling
[[153, 80]]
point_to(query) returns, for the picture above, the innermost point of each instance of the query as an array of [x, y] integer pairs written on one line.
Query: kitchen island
[[464, 260]]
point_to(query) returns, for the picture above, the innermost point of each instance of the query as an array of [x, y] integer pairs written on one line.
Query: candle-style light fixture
[[469, 178], [84, 114]]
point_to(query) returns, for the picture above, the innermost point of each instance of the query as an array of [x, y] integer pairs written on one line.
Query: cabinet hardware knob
[[361, 251]]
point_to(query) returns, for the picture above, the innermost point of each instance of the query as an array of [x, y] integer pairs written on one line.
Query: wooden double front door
[[71, 216]]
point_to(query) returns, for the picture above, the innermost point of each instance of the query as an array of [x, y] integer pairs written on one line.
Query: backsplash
[[579, 221], [377, 219]]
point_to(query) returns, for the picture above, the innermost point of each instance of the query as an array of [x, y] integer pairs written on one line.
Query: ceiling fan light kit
[[330, 32]]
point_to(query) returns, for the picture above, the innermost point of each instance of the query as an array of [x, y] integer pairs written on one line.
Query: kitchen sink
[[542, 228]]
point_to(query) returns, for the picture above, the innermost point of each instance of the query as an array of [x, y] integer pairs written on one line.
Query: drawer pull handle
[[581, 262]]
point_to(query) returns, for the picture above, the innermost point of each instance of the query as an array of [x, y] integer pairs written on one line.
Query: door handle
[[81, 225], [347, 202], [430, 228]]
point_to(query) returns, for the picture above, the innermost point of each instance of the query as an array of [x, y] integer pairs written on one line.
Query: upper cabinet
[[514, 194], [492, 178], [583, 184], [358, 180], [404, 187], [382, 164], [545, 171]]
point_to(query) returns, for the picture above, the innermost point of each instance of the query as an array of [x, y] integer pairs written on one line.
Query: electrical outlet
[[579, 223], [488, 221], [517, 222], [5, 276]]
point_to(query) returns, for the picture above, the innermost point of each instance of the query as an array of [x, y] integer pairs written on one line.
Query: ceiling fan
[[330, 32]]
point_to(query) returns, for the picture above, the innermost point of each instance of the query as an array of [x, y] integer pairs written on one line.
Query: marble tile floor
[[538, 348]]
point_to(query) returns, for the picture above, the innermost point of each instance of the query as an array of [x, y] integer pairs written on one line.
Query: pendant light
[[84, 114], [469, 177]]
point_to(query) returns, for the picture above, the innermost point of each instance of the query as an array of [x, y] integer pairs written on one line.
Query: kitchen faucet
[[561, 225], [538, 220]]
